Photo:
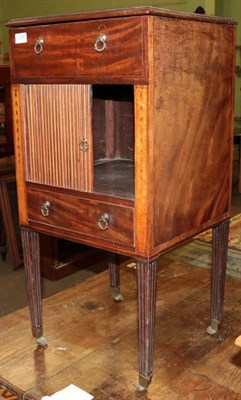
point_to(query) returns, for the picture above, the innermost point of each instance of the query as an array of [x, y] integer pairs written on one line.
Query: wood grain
[[219, 262], [31, 253], [5, 95], [58, 118], [69, 54], [82, 216], [19, 151], [8, 181], [192, 126], [132, 11], [113, 110], [146, 278], [143, 215], [114, 270]]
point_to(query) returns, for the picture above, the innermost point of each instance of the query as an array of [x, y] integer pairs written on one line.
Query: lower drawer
[[89, 217]]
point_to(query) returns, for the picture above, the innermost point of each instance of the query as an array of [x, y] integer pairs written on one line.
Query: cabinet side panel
[[58, 118], [18, 111], [143, 198], [193, 130], [144, 162]]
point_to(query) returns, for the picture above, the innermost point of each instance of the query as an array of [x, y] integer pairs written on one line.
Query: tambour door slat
[[58, 116]]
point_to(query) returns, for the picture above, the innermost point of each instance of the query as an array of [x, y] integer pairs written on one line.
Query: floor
[[13, 292], [93, 341]]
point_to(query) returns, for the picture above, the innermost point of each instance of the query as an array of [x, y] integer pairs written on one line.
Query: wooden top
[[121, 12]]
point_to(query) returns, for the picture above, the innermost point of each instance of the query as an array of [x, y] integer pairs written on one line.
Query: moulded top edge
[[115, 13]]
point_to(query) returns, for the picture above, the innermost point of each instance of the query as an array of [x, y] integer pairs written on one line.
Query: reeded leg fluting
[[31, 254], [114, 269], [146, 277], [220, 252]]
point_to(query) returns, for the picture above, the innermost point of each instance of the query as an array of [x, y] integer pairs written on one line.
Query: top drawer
[[97, 51]]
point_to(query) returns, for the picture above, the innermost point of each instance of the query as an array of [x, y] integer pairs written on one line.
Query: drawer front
[[100, 50], [89, 217]]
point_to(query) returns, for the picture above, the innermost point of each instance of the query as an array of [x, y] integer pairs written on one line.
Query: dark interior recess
[[113, 130]]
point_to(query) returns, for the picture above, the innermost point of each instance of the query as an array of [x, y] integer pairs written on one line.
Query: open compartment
[[113, 138]]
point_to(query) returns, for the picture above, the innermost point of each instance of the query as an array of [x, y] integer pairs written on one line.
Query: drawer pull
[[45, 208], [104, 221], [100, 44], [38, 47]]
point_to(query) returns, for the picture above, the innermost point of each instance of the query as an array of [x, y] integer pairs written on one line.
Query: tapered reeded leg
[[220, 252], [146, 276], [114, 269], [31, 254]]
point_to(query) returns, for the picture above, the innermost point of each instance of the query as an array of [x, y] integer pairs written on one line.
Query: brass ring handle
[[100, 44], [103, 221], [84, 145], [38, 47], [45, 208]]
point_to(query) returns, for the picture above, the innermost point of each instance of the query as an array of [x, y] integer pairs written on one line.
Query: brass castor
[[115, 292], [213, 328], [144, 382], [42, 341]]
